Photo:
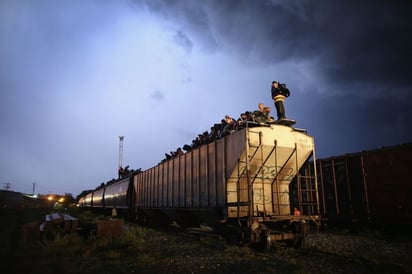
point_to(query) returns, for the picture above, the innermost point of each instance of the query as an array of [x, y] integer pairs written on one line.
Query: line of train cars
[[18, 200], [373, 186], [250, 184], [237, 185]]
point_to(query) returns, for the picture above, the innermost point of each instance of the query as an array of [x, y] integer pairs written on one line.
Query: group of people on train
[[228, 125]]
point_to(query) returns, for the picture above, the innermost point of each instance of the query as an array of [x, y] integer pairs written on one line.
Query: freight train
[[367, 187], [17, 200], [237, 185]]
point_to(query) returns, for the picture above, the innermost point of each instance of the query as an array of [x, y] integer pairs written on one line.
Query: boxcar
[[369, 186]]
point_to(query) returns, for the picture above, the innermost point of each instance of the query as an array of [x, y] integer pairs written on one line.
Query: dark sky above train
[[75, 75]]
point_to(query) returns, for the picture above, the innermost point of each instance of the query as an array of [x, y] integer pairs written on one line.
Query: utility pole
[[7, 186], [120, 168], [34, 187]]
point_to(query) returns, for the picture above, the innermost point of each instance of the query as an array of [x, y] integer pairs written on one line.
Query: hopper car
[[237, 185], [117, 194]]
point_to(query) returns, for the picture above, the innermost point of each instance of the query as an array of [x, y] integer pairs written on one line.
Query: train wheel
[[265, 243], [298, 240]]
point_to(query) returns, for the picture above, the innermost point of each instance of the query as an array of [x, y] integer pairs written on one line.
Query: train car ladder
[[253, 153]]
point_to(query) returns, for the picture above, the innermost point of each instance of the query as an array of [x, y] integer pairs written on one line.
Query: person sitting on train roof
[[187, 148], [214, 132], [264, 110], [219, 128], [222, 128], [241, 121], [225, 127], [228, 126], [179, 151], [196, 142], [204, 138], [261, 116]]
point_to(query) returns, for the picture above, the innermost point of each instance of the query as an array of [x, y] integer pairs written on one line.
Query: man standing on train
[[279, 93]]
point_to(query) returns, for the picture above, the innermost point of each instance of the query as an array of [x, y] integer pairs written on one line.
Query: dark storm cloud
[[191, 16], [355, 52], [351, 40], [377, 44]]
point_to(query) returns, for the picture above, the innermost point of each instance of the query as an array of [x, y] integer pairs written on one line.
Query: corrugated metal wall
[[193, 180]]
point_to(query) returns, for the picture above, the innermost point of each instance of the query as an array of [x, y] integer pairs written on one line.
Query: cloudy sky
[[75, 75]]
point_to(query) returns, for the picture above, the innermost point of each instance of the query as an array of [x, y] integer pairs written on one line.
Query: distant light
[[61, 200], [50, 198]]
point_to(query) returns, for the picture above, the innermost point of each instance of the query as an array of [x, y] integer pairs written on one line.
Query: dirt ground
[[148, 250], [334, 251]]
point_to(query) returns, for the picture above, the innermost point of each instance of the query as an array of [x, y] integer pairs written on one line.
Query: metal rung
[[238, 204]]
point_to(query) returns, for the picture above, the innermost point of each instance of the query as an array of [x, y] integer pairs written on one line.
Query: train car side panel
[[182, 182], [155, 182], [220, 173], [342, 186], [211, 175], [203, 177], [359, 201], [176, 181], [188, 180], [388, 177], [98, 198], [342, 191], [169, 185], [163, 185], [329, 203], [115, 195], [194, 181], [377, 187], [89, 200], [195, 178], [138, 183]]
